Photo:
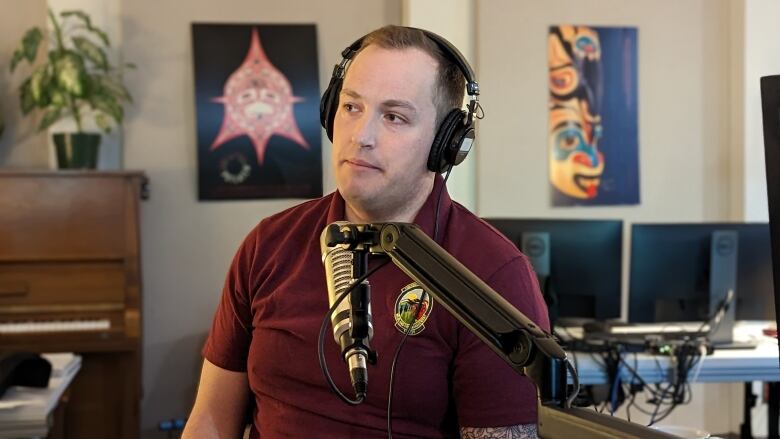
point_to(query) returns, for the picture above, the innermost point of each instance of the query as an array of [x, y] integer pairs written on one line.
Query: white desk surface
[[724, 365]]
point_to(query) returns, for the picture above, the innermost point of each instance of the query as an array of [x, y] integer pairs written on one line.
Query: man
[[263, 340]]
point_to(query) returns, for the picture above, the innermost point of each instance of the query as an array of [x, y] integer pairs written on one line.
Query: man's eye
[[348, 107], [394, 118]]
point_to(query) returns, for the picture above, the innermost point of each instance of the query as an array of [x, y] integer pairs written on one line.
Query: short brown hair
[[450, 81]]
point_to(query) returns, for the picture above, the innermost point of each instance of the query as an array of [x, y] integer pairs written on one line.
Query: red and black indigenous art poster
[[257, 106]]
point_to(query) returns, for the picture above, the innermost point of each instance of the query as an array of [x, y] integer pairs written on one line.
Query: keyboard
[[660, 328], [33, 327]]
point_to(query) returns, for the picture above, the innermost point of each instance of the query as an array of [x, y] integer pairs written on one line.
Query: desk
[[724, 365], [27, 411]]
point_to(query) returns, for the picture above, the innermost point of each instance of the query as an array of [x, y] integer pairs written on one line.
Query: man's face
[[384, 128]]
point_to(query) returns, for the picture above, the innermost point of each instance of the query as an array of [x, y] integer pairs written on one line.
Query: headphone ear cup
[[328, 105], [441, 155]]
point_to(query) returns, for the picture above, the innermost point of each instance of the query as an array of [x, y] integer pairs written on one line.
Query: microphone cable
[[419, 310], [324, 329], [575, 381]]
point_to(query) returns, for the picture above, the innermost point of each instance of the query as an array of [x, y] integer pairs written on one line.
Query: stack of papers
[[24, 411]]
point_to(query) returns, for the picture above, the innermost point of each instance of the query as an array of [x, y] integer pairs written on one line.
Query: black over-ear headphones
[[455, 136]]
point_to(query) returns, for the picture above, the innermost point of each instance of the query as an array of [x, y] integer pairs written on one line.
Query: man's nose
[[364, 134]]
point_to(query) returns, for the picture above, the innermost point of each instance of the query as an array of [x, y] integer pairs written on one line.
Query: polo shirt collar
[[424, 218]]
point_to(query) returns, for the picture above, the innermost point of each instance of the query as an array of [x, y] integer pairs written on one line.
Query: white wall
[[453, 20], [21, 146], [187, 245], [761, 58]]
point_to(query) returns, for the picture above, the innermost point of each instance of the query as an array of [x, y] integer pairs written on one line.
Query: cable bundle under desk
[[613, 356]]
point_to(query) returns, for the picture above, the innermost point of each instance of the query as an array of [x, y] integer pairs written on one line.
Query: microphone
[[351, 320]]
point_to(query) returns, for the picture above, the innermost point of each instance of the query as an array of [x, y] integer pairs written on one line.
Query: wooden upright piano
[[70, 281]]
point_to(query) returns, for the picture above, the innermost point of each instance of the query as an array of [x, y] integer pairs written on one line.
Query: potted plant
[[75, 80]]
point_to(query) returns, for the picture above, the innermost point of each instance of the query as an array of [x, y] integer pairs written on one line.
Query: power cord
[[624, 381]]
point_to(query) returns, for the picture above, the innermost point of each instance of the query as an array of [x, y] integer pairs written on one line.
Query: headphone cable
[[411, 325], [438, 205], [392, 369]]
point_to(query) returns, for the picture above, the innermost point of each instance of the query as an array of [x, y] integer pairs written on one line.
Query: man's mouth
[[361, 164]]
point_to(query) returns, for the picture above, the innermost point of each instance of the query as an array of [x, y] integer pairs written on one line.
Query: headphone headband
[[449, 51]]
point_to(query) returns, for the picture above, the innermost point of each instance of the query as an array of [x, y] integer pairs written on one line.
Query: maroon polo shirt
[[273, 303]]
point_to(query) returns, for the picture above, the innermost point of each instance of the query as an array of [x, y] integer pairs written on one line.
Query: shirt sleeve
[[227, 345], [487, 391]]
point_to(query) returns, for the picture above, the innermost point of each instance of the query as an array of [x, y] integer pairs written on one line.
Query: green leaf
[[125, 93], [30, 43], [15, 58], [28, 47], [78, 14], [70, 74], [102, 122], [102, 35], [109, 105], [39, 82], [114, 87], [129, 65], [25, 97], [87, 24], [57, 97], [91, 51], [52, 115]]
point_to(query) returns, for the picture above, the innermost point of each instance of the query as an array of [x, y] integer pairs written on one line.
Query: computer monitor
[[578, 263], [674, 266], [770, 103]]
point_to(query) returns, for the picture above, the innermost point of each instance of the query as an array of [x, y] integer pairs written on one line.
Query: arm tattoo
[[521, 431]]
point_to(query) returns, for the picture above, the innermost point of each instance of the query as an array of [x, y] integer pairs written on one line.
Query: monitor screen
[[582, 266], [770, 104], [670, 272]]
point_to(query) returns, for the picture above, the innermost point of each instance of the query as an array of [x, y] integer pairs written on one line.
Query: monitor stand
[[536, 246], [723, 286]]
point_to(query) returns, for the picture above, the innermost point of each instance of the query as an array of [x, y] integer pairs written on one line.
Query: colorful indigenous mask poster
[[257, 105], [592, 131]]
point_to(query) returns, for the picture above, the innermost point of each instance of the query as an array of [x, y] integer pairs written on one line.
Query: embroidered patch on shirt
[[413, 306]]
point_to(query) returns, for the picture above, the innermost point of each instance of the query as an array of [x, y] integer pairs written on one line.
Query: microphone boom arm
[[524, 346], [514, 337]]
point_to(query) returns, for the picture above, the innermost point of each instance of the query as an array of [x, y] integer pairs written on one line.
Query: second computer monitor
[[672, 271], [578, 262]]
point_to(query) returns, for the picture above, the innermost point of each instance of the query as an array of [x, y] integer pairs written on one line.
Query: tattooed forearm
[[525, 431]]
